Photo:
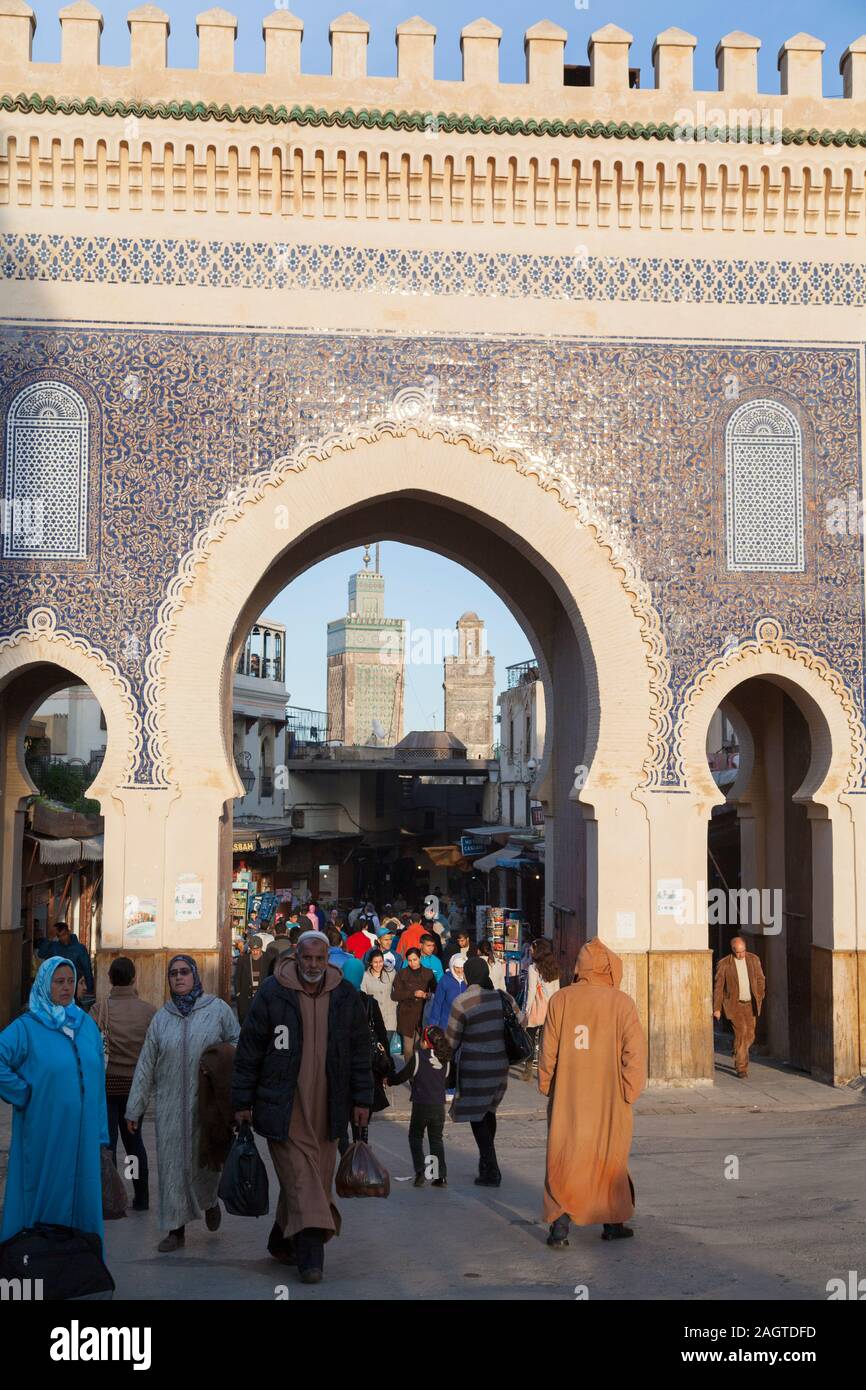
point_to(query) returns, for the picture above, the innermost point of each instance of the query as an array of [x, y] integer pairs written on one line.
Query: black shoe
[[439, 1182], [281, 1247], [616, 1231], [213, 1216], [173, 1241], [310, 1248], [490, 1178], [558, 1236], [419, 1180]]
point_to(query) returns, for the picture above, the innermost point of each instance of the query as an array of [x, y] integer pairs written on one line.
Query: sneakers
[[556, 1242], [439, 1182], [173, 1241], [212, 1217], [419, 1180]]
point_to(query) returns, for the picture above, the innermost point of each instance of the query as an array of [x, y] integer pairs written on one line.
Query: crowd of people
[[332, 1011]]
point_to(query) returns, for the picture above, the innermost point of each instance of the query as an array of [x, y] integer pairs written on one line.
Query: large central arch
[[579, 603]]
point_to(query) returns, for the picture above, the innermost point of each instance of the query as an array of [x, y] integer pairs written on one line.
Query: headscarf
[[597, 964], [475, 972], [459, 960], [185, 1003], [53, 1015]]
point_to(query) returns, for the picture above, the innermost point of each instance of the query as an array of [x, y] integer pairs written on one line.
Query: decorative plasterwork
[[41, 623], [423, 423], [768, 638]]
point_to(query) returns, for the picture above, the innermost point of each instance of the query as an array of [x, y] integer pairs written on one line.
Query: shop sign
[[470, 845]]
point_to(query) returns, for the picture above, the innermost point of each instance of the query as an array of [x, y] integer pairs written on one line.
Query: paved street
[[794, 1218]]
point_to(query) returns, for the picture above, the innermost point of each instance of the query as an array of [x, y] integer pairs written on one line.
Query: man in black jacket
[[302, 1071]]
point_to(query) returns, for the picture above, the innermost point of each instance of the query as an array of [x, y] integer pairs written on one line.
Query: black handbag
[[53, 1263], [518, 1044], [243, 1186]]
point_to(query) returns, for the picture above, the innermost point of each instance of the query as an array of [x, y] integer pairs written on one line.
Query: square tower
[[366, 653], [469, 680]]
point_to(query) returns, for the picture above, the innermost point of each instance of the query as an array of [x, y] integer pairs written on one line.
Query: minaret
[[468, 684], [366, 654]]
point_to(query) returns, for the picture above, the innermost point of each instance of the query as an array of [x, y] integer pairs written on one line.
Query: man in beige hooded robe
[[592, 1065]]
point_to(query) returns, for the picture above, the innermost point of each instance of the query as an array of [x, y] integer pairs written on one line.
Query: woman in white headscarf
[[447, 990]]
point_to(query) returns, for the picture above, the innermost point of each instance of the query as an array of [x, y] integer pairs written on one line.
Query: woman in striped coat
[[476, 1034]]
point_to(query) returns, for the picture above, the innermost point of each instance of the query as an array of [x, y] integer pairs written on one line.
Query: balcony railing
[[305, 726], [522, 671]]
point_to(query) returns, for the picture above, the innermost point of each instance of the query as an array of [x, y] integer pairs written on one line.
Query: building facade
[[366, 675], [603, 343], [468, 686]]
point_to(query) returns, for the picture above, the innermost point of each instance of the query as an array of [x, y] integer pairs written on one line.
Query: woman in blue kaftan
[[52, 1072]]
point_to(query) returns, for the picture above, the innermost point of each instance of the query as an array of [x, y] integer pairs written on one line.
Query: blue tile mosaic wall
[[285, 266], [186, 415]]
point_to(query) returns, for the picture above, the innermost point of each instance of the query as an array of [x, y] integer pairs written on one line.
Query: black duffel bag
[[58, 1261], [243, 1186]]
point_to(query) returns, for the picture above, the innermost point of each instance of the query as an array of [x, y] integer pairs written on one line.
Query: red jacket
[[359, 944], [412, 936]]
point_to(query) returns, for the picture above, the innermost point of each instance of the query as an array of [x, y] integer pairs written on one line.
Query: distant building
[[366, 676], [73, 724], [259, 699], [521, 741], [468, 684]]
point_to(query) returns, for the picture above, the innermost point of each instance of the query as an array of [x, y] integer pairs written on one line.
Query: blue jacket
[[352, 968], [447, 991], [74, 953]]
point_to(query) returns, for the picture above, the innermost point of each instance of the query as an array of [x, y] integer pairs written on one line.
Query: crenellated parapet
[[604, 146]]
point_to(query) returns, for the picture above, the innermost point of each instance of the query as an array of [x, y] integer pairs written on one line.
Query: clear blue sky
[[427, 590], [837, 22]]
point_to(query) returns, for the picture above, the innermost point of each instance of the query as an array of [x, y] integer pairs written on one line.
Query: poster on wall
[[139, 919], [187, 898]]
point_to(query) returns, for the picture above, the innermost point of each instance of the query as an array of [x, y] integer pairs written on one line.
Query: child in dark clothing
[[427, 1072]]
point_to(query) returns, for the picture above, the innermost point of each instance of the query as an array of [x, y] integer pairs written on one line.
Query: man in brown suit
[[739, 990]]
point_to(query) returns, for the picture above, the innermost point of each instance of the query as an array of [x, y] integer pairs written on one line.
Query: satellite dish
[[378, 729]]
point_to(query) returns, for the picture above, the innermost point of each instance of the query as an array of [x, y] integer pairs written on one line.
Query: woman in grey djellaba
[[169, 1064]]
